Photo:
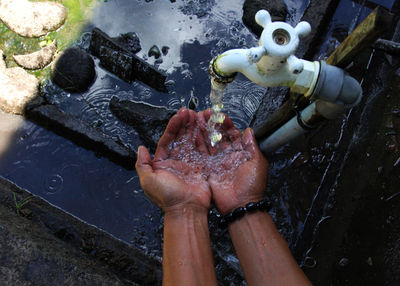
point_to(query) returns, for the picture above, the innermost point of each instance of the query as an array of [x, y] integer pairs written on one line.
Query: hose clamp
[[217, 77]]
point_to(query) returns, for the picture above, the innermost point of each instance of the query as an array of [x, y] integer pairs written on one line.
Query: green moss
[[79, 12]]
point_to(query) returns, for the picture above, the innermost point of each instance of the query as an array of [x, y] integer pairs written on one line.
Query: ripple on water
[[53, 183]]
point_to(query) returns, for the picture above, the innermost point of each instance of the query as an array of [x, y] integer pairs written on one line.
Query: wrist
[[244, 211], [240, 202], [186, 210]]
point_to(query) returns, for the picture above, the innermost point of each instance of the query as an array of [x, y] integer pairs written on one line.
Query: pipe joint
[[335, 86]]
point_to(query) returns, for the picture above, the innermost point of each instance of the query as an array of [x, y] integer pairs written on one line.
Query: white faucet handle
[[303, 29], [256, 53], [263, 18], [295, 65]]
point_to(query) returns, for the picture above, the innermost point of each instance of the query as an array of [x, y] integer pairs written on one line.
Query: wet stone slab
[[118, 56], [82, 133], [149, 120], [42, 245]]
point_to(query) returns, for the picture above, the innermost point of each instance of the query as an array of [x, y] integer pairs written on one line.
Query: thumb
[[143, 162], [249, 141]]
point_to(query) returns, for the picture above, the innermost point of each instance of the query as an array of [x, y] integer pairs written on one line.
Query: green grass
[[79, 12], [19, 205]]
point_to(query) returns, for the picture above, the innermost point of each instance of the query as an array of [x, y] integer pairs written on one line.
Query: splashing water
[[217, 117]]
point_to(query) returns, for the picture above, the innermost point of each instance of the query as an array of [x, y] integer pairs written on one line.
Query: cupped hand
[[175, 178], [237, 170]]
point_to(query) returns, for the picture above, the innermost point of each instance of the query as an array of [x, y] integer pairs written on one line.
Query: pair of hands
[[188, 172]]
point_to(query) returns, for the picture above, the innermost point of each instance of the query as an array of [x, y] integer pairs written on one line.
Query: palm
[[175, 176], [182, 183], [237, 170]]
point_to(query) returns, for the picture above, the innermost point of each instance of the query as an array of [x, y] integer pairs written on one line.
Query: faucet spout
[[233, 61]]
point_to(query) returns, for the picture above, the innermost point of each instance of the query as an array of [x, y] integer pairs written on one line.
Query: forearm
[[187, 257], [263, 254]]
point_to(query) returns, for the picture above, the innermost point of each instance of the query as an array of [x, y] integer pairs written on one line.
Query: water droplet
[[54, 183], [344, 262], [310, 262], [215, 137]]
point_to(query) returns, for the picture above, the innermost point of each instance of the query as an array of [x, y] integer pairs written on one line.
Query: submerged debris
[[154, 51], [164, 50], [193, 102], [343, 262]]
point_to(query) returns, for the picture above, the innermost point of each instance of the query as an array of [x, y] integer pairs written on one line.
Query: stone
[[82, 133], [73, 70], [154, 51], [148, 120], [38, 59], [18, 88], [129, 41], [32, 19], [117, 59], [164, 50], [276, 8]]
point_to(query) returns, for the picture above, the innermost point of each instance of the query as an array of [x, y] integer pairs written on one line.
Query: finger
[[207, 114], [230, 129], [192, 118], [229, 135], [171, 132], [202, 122], [183, 113], [227, 124], [201, 134], [143, 163], [191, 123], [249, 142]]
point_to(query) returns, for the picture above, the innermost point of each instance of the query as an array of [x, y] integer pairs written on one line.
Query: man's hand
[[175, 178], [237, 171]]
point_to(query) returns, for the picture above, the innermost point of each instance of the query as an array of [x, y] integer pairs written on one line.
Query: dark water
[[109, 196], [74, 179]]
